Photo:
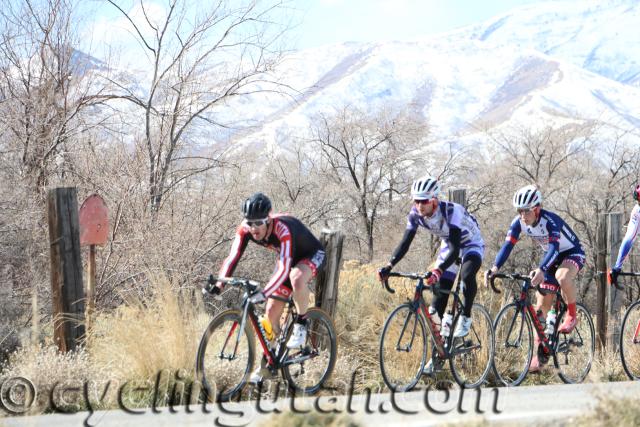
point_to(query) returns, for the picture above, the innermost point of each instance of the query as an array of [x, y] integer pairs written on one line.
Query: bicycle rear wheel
[[225, 358], [403, 348], [574, 351], [473, 354], [513, 345], [306, 370]]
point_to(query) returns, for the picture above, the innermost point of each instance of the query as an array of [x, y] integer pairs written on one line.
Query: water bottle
[[551, 322], [541, 319], [447, 320], [267, 328], [435, 318]]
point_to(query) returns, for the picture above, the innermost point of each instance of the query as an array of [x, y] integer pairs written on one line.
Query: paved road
[[533, 404]]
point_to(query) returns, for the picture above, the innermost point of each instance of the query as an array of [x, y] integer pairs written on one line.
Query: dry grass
[[611, 412], [309, 420]]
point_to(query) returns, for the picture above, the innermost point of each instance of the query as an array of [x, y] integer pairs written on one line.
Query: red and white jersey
[[289, 237]]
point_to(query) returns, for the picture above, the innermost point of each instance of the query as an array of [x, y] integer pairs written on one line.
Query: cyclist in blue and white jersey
[[629, 237], [562, 261], [460, 236]]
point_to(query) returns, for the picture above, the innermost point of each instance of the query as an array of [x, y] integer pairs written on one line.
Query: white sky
[[321, 22]]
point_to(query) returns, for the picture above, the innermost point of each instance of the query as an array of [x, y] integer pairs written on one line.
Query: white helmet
[[527, 197], [425, 188]]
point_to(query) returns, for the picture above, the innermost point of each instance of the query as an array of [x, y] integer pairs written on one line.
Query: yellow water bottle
[[268, 329]]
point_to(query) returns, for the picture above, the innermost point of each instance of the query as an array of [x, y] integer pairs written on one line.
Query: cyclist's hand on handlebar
[[436, 273], [212, 287], [383, 273], [612, 276], [488, 274], [537, 276]]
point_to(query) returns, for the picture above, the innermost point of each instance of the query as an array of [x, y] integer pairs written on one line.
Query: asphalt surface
[[509, 406]]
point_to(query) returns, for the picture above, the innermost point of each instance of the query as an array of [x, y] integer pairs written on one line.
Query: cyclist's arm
[[455, 235], [629, 237], [403, 247], [512, 238], [284, 261], [554, 246], [240, 242]]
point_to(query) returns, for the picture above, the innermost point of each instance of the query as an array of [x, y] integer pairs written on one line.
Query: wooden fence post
[[458, 196], [66, 268], [327, 279], [614, 232], [601, 281]]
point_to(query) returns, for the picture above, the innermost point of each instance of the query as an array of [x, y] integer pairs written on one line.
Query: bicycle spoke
[[512, 358]]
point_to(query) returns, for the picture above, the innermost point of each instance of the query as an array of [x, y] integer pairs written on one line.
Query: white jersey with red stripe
[[289, 237]]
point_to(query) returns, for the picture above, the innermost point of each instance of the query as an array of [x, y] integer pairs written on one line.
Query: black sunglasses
[[257, 222]]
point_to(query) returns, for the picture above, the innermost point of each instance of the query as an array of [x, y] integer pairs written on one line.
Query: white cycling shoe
[[298, 337], [463, 327]]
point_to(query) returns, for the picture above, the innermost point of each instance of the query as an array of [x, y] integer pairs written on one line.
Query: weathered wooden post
[[601, 281], [327, 280], [614, 237], [94, 230], [458, 196], [66, 268]]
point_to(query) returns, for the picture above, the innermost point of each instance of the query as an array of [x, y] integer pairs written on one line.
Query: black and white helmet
[[425, 188], [257, 206], [527, 197]]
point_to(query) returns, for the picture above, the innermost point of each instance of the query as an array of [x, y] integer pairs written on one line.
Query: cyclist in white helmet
[[460, 236], [629, 237], [562, 261]]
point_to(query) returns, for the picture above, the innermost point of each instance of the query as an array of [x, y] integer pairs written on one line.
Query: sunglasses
[[257, 222], [421, 202], [525, 211]]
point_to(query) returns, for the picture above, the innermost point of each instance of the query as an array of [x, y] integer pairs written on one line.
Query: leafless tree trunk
[[363, 156], [200, 55]]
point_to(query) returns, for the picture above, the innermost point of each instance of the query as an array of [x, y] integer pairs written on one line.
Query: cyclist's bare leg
[[274, 311], [565, 275], [543, 303], [300, 276]]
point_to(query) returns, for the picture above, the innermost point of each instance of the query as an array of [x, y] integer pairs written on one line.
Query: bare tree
[[364, 156], [199, 57]]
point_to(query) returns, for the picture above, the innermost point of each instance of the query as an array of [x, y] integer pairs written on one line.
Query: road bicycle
[[226, 353], [572, 352], [404, 347], [630, 334]]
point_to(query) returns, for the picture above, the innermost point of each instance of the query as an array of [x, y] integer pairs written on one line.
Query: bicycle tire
[[629, 350], [513, 335], [309, 375], [401, 372], [574, 351], [219, 376], [471, 367]]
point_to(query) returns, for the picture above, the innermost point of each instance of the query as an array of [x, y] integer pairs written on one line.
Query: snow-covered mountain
[[546, 63]]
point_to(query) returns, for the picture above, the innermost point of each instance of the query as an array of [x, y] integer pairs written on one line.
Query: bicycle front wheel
[[575, 350], [403, 348], [513, 345], [630, 341], [472, 355], [225, 356], [306, 370]]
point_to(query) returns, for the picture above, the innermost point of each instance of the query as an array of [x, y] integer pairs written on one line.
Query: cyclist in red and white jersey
[[301, 257]]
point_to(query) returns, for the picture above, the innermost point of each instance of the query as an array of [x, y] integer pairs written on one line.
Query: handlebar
[[240, 282], [513, 276], [622, 273], [413, 276]]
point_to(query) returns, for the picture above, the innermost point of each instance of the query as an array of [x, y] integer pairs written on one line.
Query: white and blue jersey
[[629, 237], [446, 217], [554, 235]]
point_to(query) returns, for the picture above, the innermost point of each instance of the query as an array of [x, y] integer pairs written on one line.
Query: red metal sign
[[94, 221]]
